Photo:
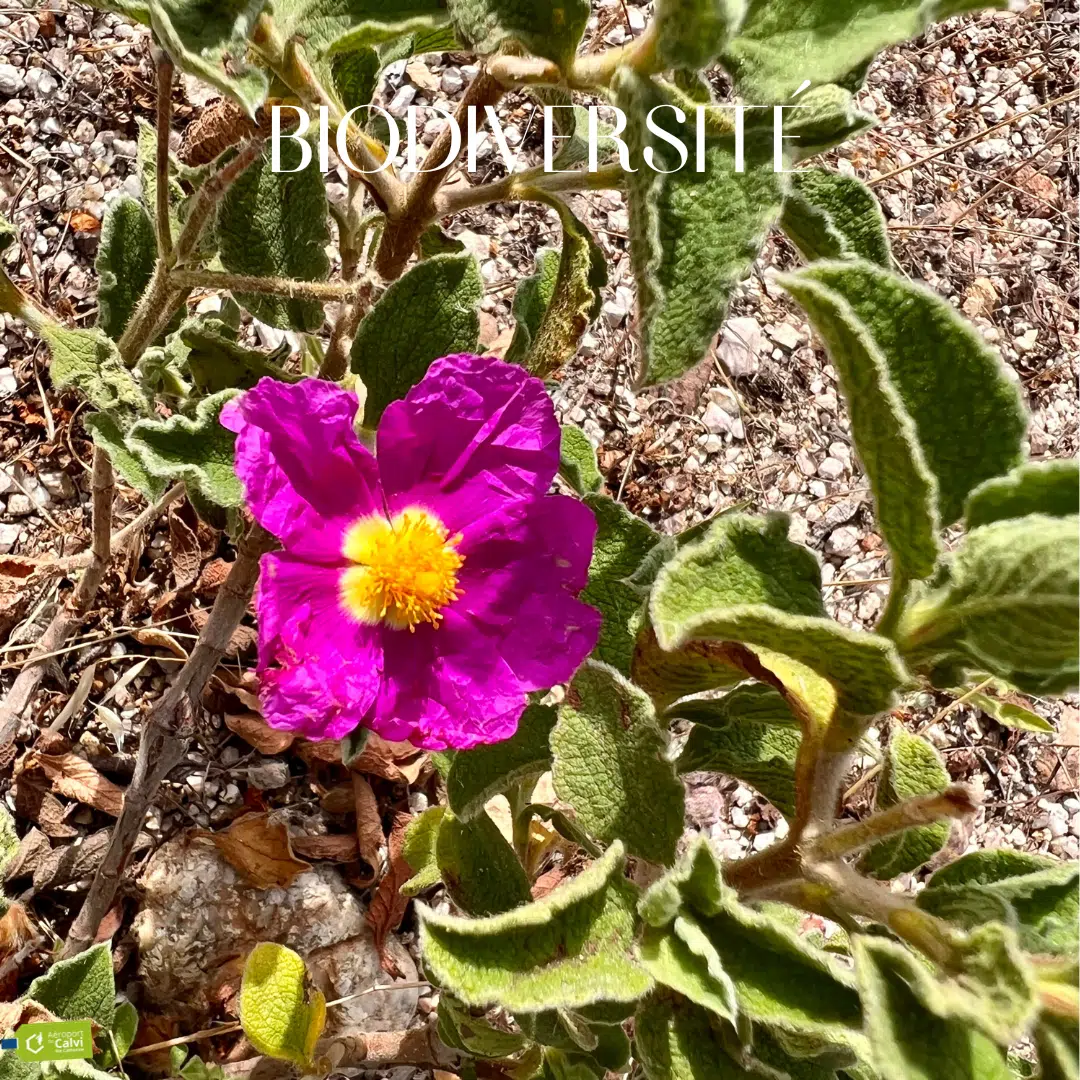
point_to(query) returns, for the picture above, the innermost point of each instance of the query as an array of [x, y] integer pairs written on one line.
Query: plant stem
[[166, 731], [588, 72], [320, 291], [954, 802], [164, 128], [405, 227], [894, 606], [350, 242], [72, 613], [518, 186]]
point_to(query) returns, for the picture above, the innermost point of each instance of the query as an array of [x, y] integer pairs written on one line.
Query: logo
[[54, 1041]]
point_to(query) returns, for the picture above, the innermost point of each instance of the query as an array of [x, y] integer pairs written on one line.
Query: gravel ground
[[976, 169]]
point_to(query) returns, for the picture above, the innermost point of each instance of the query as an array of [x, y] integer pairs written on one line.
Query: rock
[[199, 919], [11, 80], [269, 776], [9, 536], [451, 81], [19, 505], [717, 421], [785, 334], [614, 313], [740, 346], [805, 461], [831, 469], [41, 83], [406, 94], [843, 541], [8, 383], [57, 484]]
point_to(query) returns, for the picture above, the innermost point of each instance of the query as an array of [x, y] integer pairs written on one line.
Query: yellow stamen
[[405, 570]]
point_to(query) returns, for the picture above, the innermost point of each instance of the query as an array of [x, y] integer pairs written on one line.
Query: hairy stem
[[954, 802], [350, 311], [162, 227], [518, 185], [72, 613], [404, 228], [894, 606], [166, 731], [320, 291], [588, 72]]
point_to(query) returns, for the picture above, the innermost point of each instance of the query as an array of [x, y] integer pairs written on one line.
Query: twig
[[350, 241], [291, 288], [164, 126], [72, 613], [166, 732]]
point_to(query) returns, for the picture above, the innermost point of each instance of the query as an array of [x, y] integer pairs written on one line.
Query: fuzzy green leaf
[[548, 28], [570, 949], [479, 868], [428, 313], [9, 838], [419, 849], [905, 491], [197, 450], [783, 43], [274, 224], [693, 235], [1009, 606], [1008, 714], [826, 117], [1037, 895], [967, 411], [577, 461], [473, 1035], [750, 734], [912, 767], [90, 362], [531, 300], [556, 313], [276, 1016], [125, 1028], [355, 76], [81, 988], [480, 774], [622, 543], [1059, 1055], [208, 349], [340, 26], [209, 40], [831, 216], [678, 1040], [916, 1032], [691, 34], [125, 263], [106, 433], [1042, 487], [780, 981], [609, 765]]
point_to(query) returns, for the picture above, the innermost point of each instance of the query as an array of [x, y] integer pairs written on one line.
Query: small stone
[[19, 505], [406, 94], [269, 776], [9, 536], [786, 335], [1058, 826], [8, 383], [843, 541], [717, 420], [740, 346], [807, 465], [831, 469], [451, 81], [614, 313], [764, 840], [41, 83], [57, 484], [11, 80], [739, 817]]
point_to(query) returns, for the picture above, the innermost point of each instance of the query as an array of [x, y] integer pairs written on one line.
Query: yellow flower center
[[405, 569]]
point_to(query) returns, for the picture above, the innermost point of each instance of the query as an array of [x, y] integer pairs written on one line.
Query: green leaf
[[682, 958], [1042, 487], [691, 34], [826, 117], [209, 40], [966, 410], [831, 216], [90, 362], [1007, 714], [81, 988], [125, 263], [473, 1035], [780, 981], [146, 160], [9, 838], [208, 349], [693, 235], [577, 461], [1037, 895], [75, 1069], [106, 433], [428, 313], [678, 1040], [916, 1031], [339, 26], [8, 234], [355, 76], [548, 29], [352, 745], [622, 543], [479, 868], [786, 42], [555, 314], [750, 734], [418, 849], [531, 301], [905, 491], [1055, 1038], [274, 224], [570, 949], [197, 450], [1009, 606], [478, 775], [609, 765], [274, 1011], [125, 1028], [912, 767]]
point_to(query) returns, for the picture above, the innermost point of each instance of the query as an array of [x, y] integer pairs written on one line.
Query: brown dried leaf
[[399, 762], [243, 637], [253, 729], [160, 639], [82, 221], [212, 577], [369, 832], [26, 1011], [388, 906], [980, 298], [76, 778], [258, 846], [36, 803], [19, 581], [338, 799], [16, 930], [336, 847], [184, 550]]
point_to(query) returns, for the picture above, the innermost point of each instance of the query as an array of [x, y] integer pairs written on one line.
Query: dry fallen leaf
[[19, 583], [258, 846], [400, 762], [388, 906], [185, 552], [73, 776], [243, 637], [159, 639], [253, 729], [369, 833], [212, 577], [82, 221], [336, 847]]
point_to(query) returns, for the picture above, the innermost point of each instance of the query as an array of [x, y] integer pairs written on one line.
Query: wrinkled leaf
[[125, 263], [257, 845], [479, 868], [418, 850], [548, 28], [90, 362], [1042, 487], [831, 216], [277, 1017], [691, 34], [106, 433], [81, 988], [577, 461]]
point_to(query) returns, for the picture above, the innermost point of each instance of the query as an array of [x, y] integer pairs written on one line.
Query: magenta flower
[[424, 592]]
